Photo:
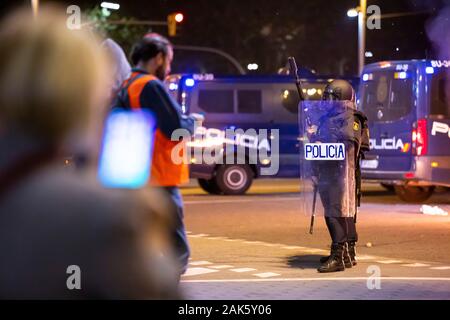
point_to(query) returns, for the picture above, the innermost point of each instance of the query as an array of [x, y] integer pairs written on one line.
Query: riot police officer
[[338, 182]]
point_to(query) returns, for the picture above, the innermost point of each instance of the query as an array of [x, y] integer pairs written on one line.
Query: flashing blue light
[[189, 82], [429, 70], [365, 77]]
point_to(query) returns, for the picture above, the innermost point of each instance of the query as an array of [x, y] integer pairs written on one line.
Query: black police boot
[[348, 261], [352, 252], [336, 261]]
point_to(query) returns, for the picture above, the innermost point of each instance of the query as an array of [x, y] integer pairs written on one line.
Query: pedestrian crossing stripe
[[200, 263], [265, 275], [388, 261], [198, 271], [241, 270], [220, 267]]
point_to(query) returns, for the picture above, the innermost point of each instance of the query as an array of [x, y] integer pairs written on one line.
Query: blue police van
[[246, 102], [408, 106]]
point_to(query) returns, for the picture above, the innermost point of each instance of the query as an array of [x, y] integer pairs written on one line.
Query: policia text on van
[[408, 106]]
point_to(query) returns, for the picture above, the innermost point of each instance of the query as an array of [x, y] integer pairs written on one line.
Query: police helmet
[[339, 90]]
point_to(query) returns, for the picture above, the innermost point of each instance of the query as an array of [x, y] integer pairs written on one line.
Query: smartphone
[[127, 148]]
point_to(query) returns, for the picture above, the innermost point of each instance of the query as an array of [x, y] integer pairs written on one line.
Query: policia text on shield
[[324, 151]]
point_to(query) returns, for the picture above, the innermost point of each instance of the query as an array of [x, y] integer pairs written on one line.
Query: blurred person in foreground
[[52, 82], [152, 57], [120, 65]]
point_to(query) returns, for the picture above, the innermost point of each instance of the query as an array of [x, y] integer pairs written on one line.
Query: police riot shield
[[328, 158]]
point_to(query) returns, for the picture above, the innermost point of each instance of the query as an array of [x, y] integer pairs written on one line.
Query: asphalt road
[[257, 246]]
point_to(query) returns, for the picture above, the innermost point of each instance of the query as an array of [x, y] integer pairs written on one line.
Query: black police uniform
[[338, 182]]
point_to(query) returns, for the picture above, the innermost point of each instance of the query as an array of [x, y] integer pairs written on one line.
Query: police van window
[[440, 94], [249, 101], [386, 97], [216, 101], [290, 98], [400, 99]]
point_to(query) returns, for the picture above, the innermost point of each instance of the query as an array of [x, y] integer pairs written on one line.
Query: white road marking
[[322, 279], [272, 244], [364, 257], [222, 267], [267, 275], [387, 261], [441, 268], [315, 251], [416, 265], [381, 260], [242, 200], [294, 248], [198, 271], [241, 270], [200, 263]]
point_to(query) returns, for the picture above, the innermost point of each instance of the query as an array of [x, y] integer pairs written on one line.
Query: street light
[[352, 13], [110, 5], [252, 66], [361, 13]]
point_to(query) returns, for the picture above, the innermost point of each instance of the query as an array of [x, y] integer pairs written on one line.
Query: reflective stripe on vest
[[164, 172]]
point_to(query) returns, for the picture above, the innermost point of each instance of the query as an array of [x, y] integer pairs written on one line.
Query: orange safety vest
[[164, 173]]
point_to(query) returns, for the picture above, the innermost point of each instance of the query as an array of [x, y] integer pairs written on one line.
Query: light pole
[[35, 7], [361, 13], [362, 17]]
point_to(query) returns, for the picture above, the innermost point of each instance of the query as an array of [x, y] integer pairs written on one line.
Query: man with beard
[[152, 57]]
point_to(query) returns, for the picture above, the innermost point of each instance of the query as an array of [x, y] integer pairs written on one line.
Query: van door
[[387, 98], [438, 127]]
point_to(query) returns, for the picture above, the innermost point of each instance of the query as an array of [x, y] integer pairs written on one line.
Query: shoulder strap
[[122, 96], [128, 96]]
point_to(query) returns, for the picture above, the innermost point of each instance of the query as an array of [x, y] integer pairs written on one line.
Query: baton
[[313, 214], [294, 72]]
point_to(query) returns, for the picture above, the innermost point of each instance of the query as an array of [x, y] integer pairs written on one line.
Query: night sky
[[317, 32]]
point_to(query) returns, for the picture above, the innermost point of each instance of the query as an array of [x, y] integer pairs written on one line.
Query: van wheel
[[209, 186], [414, 194], [234, 179]]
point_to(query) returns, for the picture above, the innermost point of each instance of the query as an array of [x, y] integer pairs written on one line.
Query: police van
[[245, 102], [408, 106]]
